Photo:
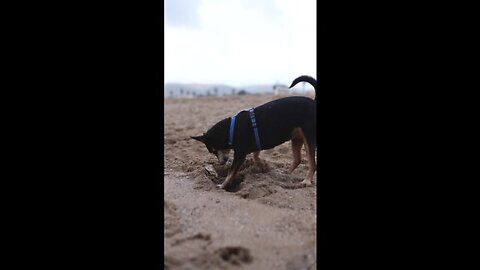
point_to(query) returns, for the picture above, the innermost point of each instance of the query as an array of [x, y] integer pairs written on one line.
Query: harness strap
[[255, 130], [254, 126]]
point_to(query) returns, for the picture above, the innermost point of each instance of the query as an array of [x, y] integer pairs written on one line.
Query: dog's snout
[[222, 156]]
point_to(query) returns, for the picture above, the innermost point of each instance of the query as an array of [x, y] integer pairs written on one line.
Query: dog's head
[[214, 147]]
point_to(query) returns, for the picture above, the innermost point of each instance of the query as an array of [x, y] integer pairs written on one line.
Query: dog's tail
[[305, 78]]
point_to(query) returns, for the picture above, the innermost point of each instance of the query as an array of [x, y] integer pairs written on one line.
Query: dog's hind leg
[[238, 160], [310, 147], [312, 166], [297, 153]]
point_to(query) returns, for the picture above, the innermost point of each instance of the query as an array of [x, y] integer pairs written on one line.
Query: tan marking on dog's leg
[[238, 160], [256, 156], [311, 165], [297, 133], [297, 154], [230, 177], [298, 139]]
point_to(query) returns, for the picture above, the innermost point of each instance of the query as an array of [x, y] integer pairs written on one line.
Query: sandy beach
[[262, 222]]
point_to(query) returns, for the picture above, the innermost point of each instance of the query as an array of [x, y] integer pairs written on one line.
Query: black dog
[[267, 126]]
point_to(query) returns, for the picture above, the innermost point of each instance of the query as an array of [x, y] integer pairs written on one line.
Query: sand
[[265, 221]]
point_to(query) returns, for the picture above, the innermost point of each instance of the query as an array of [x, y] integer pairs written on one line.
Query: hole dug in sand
[[235, 255], [249, 167], [221, 258], [260, 171], [235, 186], [217, 173]]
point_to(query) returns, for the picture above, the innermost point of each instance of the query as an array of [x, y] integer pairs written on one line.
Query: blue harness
[[254, 125]]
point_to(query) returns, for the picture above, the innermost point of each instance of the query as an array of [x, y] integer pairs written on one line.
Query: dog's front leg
[[238, 159], [256, 156]]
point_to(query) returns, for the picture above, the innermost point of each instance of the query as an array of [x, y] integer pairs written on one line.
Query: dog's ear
[[199, 138]]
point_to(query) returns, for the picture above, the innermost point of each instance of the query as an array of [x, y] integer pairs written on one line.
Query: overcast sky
[[239, 42]]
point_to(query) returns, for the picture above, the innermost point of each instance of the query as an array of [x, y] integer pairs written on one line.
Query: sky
[[239, 42]]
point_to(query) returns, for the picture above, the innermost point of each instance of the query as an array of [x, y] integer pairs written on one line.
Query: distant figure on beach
[[280, 89]]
